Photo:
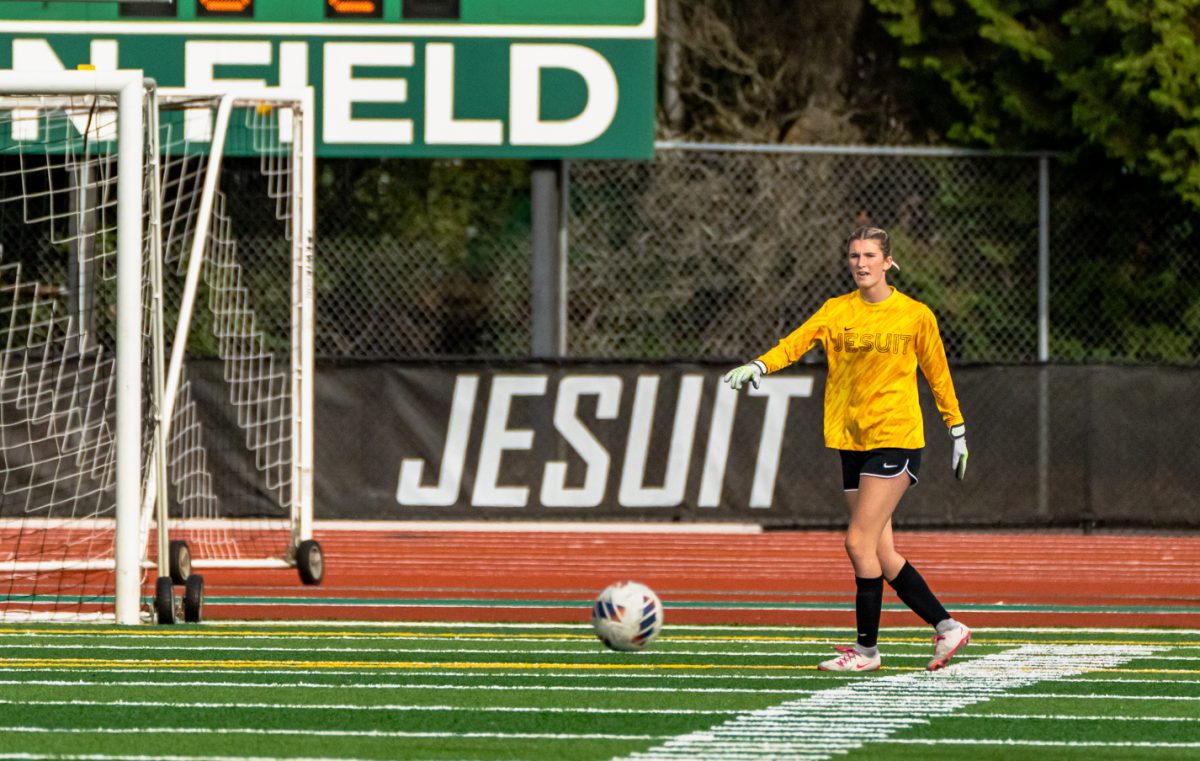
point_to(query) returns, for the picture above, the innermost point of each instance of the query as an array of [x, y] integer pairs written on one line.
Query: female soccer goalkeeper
[[875, 338]]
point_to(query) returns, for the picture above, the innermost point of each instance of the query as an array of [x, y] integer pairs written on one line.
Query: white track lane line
[[836, 721]]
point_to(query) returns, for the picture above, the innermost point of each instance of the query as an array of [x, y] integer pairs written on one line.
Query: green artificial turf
[[253, 691]]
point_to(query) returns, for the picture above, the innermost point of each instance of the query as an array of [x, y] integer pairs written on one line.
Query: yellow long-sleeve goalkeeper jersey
[[874, 351]]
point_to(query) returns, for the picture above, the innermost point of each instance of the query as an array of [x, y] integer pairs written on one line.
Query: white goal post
[[294, 125], [120, 247]]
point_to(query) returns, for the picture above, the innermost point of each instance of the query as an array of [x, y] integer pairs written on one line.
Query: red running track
[[784, 578]]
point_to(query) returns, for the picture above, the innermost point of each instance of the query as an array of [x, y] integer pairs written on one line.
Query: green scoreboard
[[463, 78]]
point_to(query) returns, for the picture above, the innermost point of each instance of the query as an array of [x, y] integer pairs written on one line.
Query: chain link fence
[[720, 253], [715, 252], [422, 258]]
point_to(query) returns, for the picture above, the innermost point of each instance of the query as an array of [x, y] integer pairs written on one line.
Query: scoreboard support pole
[[549, 267]]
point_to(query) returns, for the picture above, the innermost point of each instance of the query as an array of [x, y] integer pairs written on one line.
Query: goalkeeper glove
[[751, 371], [958, 460]]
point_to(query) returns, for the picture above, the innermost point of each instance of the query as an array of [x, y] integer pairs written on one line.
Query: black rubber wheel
[[193, 599], [179, 557], [310, 561], [164, 600]]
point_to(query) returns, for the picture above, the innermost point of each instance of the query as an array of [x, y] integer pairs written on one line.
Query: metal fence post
[[1043, 259], [547, 276], [1043, 350]]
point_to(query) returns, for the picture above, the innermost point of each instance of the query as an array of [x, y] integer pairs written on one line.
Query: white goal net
[[176, 408]]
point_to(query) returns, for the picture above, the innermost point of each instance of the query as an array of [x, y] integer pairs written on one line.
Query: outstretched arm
[[931, 358], [787, 351]]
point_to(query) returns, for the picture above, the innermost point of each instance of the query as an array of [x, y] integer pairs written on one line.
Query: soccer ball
[[627, 616]]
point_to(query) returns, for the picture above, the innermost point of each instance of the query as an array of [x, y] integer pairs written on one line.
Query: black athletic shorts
[[884, 463]]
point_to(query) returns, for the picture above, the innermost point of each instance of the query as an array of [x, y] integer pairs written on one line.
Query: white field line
[[1071, 717], [457, 626], [824, 678], [608, 689], [156, 757], [815, 727], [892, 658], [1040, 743], [560, 605], [1121, 680], [587, 710], [568, 648], [959, 742], [573, 648], [677, 632], [365, 733], [390, 707], [567, 645], [170, 680]]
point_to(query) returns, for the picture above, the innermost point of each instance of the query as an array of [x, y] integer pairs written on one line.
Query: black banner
[[1064, 446], [551, 441]]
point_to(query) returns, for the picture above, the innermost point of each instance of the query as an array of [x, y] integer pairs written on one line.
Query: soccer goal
[[156, 373]]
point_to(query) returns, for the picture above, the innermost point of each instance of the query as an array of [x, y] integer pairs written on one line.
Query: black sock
[[915, 593], [868, 603]]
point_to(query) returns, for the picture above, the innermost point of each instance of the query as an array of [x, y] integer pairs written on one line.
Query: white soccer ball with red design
[[627, 616]]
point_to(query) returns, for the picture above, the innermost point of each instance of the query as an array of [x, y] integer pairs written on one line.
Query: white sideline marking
[[590, 710], [919, 652], [593, 648], [1041, 743], [1070, 717], [391, 707], [167, 683], [1014, 743], [832, 632], [815, 727], [156, 757], [608, 689], [169, 679], [389, 734]]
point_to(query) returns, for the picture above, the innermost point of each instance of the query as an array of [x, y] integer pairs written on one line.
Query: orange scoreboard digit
[[353, 8], [225, 8]]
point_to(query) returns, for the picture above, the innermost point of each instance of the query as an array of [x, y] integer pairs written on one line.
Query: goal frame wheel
[[193, 599], [310, 562], [164, 601], [179, 561]]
